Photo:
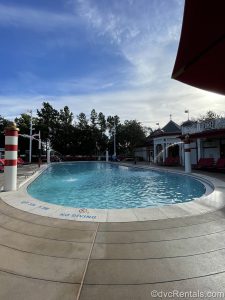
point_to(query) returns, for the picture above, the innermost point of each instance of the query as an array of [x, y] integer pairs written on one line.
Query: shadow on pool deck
[[45, 258]]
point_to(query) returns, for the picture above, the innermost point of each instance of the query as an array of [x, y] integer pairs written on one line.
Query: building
[[167, 143], [145, 151], [161, 144], [207, 138], [207, 141]]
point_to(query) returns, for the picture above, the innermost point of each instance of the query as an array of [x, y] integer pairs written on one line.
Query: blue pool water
[[102, 185]]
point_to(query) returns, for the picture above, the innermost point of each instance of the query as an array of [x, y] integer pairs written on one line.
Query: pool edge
[[22, 200]]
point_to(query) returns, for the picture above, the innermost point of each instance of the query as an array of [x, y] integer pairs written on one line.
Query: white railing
[[204, 125], [189, 129]]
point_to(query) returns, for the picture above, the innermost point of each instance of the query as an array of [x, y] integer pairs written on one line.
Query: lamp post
[[107, 155], [114, 132], [48, 151], [39, 147], [31, 137], [39, 141]]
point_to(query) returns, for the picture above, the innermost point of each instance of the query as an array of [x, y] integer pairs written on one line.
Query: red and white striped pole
[[11, 149]]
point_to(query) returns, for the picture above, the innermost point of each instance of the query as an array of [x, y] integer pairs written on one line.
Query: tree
[[210, 115], [147, 130], [64, 131], [94, 118], [82, 121], [23, 123], [85, 137], [48, 120], [102, 122], [103, 138], [65, 116], [3, 124], [91, 137], [129, 135], [112, 121]]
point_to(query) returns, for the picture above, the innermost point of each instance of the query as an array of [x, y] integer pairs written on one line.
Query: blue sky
[[115, 56]]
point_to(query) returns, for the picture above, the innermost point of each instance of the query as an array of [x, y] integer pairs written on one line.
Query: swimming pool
[[107, 186]]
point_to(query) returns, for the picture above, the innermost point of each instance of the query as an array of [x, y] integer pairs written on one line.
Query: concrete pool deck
[[55, 259]]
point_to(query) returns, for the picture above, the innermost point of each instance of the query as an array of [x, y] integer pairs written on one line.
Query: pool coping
[[207, 203]]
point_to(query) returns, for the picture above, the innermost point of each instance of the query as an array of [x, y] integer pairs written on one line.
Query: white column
[[167, 144], [180, 153], [163, 151], [107, 156], [187, 155], [183, 160], [48, 156], [154, 154], [199, 148]]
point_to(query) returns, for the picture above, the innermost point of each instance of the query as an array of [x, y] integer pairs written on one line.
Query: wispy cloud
[[140, 31], [32, 84], [40, 20], [131, 46], [137, 30], [144, 104]]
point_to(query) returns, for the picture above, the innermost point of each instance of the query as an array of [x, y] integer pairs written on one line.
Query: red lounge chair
[[172, 161], [205, 163], [220, 164], [20, 161], [2, 163]]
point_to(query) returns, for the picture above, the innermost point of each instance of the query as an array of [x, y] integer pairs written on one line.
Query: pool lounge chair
[[220, 164], [20, 161], [2, 164], [172, 161], [205, 164]]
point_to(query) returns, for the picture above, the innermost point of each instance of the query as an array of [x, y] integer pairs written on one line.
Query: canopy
[[200, 60]]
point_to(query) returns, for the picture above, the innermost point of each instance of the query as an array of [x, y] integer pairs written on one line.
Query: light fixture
[[187, 112]]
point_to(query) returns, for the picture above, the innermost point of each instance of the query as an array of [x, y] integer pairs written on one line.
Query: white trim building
[[167, 143], [207, 138]]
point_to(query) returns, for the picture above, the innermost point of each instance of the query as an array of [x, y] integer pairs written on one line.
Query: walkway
[[45, 258]]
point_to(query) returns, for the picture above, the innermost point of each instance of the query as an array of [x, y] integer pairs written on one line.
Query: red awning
[[200, 59]]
